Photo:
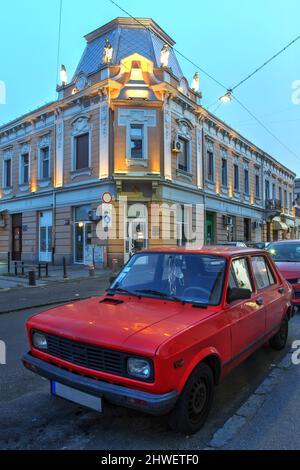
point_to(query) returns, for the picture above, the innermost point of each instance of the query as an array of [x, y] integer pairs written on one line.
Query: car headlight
[[39, 341], [140, 368]]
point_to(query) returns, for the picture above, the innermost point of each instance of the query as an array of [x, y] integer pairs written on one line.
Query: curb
[[251, 406]]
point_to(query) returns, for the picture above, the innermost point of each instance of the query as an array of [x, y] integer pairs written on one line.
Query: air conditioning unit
[[227, 220], [176, 146], [93, 217]]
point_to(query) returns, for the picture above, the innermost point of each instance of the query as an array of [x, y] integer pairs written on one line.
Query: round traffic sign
[[107, 198]]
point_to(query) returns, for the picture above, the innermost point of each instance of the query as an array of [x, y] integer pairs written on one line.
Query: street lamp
[[227, 97]]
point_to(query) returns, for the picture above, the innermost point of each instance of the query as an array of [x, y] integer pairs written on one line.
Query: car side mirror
[[238, 293]]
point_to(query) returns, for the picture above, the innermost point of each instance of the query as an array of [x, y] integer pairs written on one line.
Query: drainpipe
[[53, 225], [203, 180]]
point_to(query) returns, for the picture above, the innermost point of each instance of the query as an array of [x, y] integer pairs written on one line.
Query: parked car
[[286, 255], [259, 245], [171, 325], [237, 244]]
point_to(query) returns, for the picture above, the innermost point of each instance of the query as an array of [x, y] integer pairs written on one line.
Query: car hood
[[290, 270], [136, 325]]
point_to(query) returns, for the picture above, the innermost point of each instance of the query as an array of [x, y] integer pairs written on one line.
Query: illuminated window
[[246, 181], [257, 186], [224, 172], [136, 140], [236, 177], [183, 157], [24, 170], [44, 163], [7, 173], [82, 151], [210, 166]]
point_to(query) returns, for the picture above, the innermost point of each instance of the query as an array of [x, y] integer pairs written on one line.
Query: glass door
[[83, 243], [45, 237]]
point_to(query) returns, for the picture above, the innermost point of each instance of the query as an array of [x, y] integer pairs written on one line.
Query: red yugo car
[[172, 323], [286, 255]]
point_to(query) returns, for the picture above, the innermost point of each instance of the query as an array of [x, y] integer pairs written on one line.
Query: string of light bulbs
[[228, 96]]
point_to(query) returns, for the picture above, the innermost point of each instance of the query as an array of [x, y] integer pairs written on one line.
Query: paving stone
[[227, 432]]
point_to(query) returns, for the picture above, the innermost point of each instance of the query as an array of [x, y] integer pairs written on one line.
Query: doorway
[[16, 237], [210, 228], [45, 236], [83, 243], [136, 230]]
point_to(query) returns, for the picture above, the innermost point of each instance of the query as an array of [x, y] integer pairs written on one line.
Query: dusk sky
[[228, 39]]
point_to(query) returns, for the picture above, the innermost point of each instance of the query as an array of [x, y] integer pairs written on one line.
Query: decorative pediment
[[81, 124], [44, 141]]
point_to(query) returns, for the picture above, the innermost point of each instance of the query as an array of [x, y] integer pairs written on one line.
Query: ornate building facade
[[129, 124]]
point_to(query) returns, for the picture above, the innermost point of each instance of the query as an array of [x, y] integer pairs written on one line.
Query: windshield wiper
[[160, 294], [119, 290]]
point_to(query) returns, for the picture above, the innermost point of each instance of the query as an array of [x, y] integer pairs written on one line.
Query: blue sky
[[226, 38]]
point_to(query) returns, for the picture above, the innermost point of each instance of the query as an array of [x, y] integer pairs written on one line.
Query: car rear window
[[262, 273]]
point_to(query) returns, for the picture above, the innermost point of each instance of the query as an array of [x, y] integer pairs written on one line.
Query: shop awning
[[278, 224]]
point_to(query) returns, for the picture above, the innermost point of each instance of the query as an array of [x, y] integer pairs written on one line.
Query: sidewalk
[[55, 274], [22, 298], [276, 425]]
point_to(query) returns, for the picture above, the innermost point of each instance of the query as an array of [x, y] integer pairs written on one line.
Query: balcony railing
[[273, 204]]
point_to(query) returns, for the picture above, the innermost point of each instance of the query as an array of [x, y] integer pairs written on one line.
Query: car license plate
[[76, 396]]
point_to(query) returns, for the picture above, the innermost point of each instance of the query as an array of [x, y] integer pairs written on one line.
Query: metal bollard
[[8, 262], [65, 268], [39, 270], [31, 278], [114, 265], [16, 268], [23, 268], [91, 269], [47, 270]]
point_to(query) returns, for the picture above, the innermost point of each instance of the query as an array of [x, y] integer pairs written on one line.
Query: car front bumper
[[116, 394]]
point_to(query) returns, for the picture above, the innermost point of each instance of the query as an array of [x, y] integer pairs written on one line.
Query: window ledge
[[81, 172], [137, 162], [44, 182], [185, 174], [24, 186], [7, 190]]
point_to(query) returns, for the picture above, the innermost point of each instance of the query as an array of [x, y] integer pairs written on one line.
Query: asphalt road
[[30, 418]]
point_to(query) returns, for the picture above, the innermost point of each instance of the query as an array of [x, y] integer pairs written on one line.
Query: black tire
[[195, 402], [278, 341]]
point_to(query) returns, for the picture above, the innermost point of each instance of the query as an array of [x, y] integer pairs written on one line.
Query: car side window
[[239, 274], [262, 273]]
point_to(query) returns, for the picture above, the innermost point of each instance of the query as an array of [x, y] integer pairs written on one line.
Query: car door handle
[[260, 301], [281, 290]]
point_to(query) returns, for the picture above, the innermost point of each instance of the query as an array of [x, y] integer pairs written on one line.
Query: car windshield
[[285, 251], [195, 278]]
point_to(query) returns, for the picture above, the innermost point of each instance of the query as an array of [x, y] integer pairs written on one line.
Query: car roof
[[220, 250], [283, 242]]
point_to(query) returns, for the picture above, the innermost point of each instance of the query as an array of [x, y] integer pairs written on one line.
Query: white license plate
[[76, 396]]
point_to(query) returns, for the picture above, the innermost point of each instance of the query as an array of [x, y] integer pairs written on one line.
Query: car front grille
[[297, 294], [85, 355]]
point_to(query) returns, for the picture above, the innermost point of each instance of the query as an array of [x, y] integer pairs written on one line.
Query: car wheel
[[278, 341], [194, 404]]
